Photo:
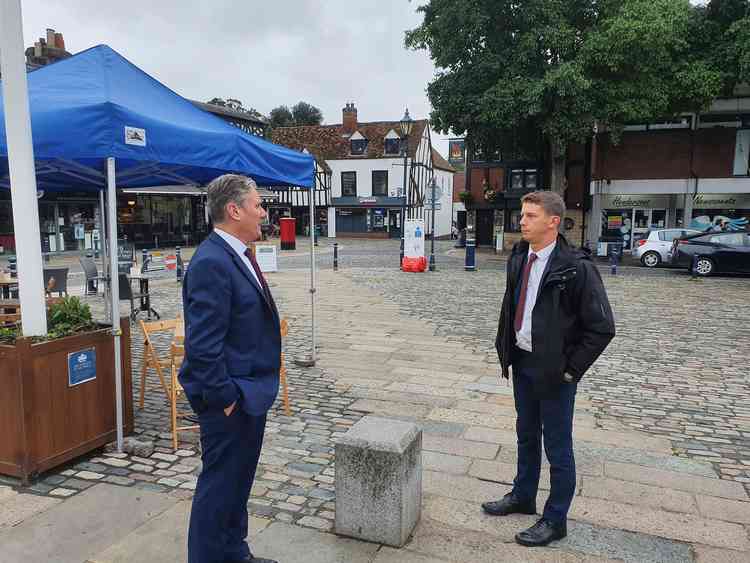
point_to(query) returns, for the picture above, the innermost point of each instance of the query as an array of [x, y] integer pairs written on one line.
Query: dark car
[[721, 252]]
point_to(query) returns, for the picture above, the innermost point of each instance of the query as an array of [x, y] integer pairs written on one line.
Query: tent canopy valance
[[96, 105]]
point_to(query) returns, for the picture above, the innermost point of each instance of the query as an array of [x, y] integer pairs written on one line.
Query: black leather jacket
[[572, 321]]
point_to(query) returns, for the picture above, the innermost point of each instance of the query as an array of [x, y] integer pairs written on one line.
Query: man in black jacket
[[555, 321]]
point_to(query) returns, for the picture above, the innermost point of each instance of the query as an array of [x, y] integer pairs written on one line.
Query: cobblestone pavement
[[678, 366]]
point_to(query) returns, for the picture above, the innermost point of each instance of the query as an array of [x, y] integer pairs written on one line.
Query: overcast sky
[[325, 52]]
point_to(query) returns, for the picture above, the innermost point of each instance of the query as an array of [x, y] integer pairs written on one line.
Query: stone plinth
[[379, 481]]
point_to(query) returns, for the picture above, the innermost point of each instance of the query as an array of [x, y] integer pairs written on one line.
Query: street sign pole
[[432, 221]]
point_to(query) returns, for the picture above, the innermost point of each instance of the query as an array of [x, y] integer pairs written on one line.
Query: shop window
[[742, 153], [349, 184], [514, 225], [380, 182], [6, 217]]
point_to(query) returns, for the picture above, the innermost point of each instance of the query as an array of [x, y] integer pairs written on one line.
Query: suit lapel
[[245, 272]]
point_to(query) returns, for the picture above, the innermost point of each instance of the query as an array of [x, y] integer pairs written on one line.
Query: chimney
[[59, 41], [38, 48], [349, 114], [50, 37]]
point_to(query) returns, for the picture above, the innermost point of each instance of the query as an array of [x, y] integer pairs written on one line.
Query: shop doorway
[[485, 226]]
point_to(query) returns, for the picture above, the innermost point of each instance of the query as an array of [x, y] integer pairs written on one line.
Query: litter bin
[[288, 236]]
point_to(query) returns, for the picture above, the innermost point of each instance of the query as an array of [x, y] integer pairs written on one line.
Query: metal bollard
[[179, 266], [335, 257], [13, 263], [144, 260], [470, 260], [614, 255]]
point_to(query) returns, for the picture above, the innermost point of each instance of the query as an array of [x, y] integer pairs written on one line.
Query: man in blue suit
[[231, 369]]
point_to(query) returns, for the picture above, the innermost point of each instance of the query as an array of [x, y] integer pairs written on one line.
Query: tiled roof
[[330, 142], [439, 162]]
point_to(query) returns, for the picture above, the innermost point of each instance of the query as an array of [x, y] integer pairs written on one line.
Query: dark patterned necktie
[[259, 274], [518, 321]]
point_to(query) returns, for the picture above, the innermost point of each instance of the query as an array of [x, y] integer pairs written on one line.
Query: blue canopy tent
[[99, 122]]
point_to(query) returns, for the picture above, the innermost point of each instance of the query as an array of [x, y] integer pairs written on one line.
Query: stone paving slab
[[671, 525], [724, 509], [690, 483], [76, 529], [642, 495], [15, 507]]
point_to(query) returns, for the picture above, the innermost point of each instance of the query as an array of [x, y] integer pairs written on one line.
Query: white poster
[[414, 238], [265, 254]]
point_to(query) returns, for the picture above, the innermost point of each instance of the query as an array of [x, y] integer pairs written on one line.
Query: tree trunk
[[557, 160]]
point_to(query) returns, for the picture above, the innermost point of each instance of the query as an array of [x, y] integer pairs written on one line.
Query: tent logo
[[135, 136]]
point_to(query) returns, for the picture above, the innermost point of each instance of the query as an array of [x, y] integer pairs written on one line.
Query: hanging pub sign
[[456, 151], [81, 366]]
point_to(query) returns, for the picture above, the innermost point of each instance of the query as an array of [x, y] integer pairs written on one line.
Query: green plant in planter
[[465, 197], [67, 317]]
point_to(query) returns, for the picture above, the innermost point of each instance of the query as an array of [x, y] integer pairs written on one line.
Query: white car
[[654, 248]]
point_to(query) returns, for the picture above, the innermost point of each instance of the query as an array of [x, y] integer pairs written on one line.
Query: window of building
[[349, 184], [523, 178], [357, 144], [392, 143], [380, 182], [742, 153], [393, 146]]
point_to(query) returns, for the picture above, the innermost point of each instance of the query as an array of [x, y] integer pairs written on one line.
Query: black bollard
[[13, 263], [179, 266], [335, 257], [470, 257], [613, 263]]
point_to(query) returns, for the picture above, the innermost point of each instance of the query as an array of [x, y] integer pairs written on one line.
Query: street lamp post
[[405, 124], [432, 221]]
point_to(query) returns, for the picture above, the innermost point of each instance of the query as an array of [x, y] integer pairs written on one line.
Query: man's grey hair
[[551, 202], [226, 189]]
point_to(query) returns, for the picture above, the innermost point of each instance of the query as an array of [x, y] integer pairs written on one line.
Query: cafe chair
[[90, 271], [56, 281], [151, 359], [176, 391], [126, 294], [282, 372]]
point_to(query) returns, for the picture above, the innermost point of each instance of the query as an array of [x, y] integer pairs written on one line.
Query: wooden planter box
[[44, 421]]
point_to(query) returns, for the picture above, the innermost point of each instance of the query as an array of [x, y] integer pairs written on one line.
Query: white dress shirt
[[523, 336], [239, 247]]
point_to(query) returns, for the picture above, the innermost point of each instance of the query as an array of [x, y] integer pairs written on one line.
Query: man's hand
[[230, 408]]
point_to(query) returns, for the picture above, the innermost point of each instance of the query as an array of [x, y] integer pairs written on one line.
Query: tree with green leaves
[[530, 75], [306, 114], [301, 113], [280, 117]]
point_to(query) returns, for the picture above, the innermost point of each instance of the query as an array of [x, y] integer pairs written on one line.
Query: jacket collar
[[216, 239], [563, 256]]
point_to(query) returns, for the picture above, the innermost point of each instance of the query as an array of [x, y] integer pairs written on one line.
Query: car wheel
[[651, 259], [704, 267]]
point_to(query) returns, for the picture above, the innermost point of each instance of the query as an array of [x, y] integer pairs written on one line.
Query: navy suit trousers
[[551, 419], [218, 521]]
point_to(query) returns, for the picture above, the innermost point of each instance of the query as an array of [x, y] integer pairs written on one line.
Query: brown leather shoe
[[509, 504]]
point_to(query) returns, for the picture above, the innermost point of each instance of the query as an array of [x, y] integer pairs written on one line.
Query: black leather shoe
[[509, 504], [542, 533]]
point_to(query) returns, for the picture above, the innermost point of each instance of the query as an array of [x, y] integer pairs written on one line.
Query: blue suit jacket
[[232, 334]]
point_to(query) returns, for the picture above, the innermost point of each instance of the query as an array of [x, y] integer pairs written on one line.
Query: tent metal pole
[[114, 291], [311, 195], [103, 242], [22, 172]]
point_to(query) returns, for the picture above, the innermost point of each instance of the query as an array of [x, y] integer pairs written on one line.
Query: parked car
[[653, 250], [718, 252]]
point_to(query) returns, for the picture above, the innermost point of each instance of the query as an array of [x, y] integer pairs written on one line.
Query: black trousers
[[552, 420]]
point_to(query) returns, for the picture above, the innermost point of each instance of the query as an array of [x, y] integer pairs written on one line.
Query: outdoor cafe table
[[143, 290]]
